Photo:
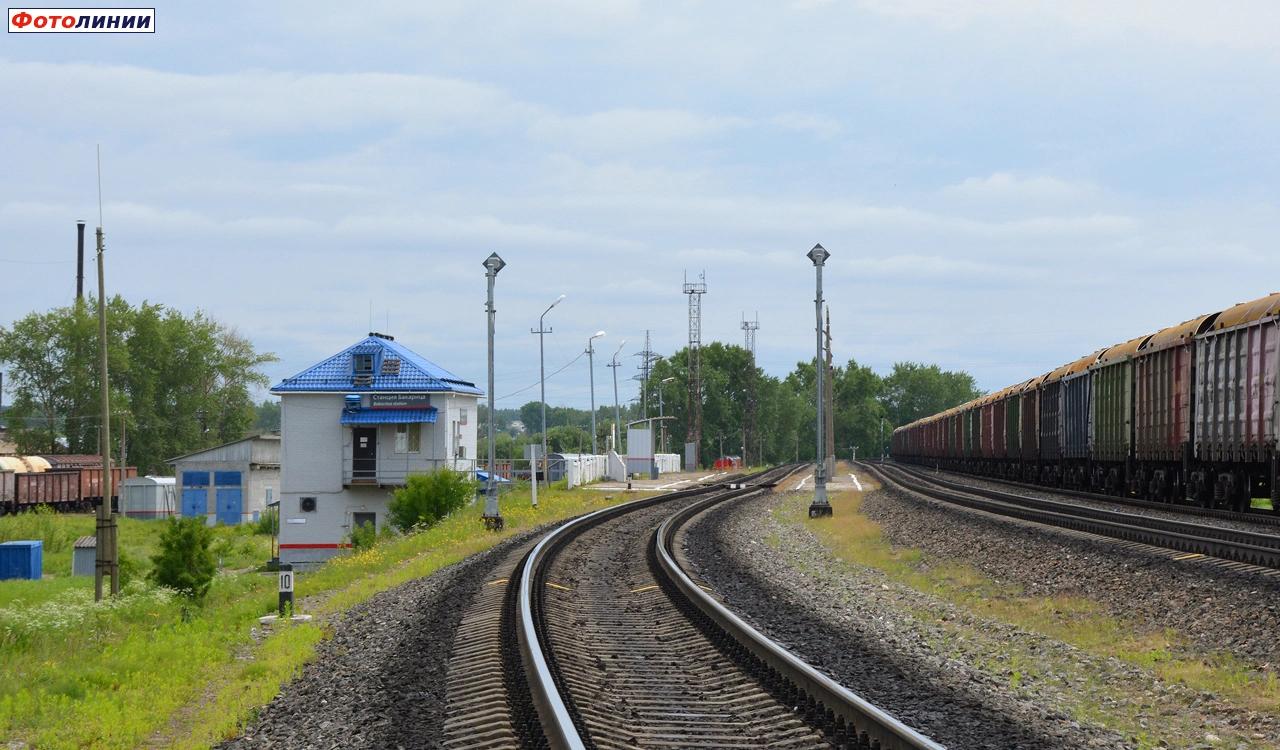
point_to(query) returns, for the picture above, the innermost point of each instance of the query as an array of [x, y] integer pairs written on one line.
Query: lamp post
[[617, 414], [820, 505], [542, 382], [492, 517], [591, 350], [662, 421]]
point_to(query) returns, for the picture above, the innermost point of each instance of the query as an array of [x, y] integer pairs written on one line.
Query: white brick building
[[353, 427]]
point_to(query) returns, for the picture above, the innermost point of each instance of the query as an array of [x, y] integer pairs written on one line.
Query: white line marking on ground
[[673, 484], [856, 483], [802, 481]]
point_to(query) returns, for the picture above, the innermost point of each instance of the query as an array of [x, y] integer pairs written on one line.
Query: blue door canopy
[[389, 416]]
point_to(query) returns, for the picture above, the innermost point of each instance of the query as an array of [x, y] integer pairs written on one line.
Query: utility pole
[[749, 328], [695, 290], [591, 368], [820, 505], [107, 561], [492, 515], [661, 417], [542, 382], [617, 413]]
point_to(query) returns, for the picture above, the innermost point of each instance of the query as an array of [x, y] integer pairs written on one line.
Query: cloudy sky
[[1003, 185]]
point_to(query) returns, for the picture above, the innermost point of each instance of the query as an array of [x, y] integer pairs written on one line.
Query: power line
[[535, 385]]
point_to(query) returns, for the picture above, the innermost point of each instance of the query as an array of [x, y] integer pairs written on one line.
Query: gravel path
[[380, 680], [1028, 687]]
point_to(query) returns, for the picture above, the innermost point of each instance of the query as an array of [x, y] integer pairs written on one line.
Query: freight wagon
[[61, 489], [1186, 413]]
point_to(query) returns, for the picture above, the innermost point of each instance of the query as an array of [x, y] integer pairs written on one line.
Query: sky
[[1003, 186]]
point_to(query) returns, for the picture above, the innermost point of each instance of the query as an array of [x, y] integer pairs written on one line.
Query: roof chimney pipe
[[79, 260]]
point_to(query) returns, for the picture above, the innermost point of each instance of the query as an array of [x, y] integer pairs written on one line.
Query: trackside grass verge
[[141, 671], [856, 541]]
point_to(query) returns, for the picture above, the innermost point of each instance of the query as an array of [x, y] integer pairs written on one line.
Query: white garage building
[[353, 427]]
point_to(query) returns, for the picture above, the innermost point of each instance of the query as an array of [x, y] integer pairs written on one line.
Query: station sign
[[399, 401]]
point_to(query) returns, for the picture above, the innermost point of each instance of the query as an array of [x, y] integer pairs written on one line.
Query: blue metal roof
[[415, 374], [388, 416]]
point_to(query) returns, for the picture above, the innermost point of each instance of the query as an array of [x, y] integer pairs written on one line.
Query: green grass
[[1077, 620], [136, 672]]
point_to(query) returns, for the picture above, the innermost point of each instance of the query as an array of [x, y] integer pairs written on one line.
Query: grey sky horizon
[[1003, 186]]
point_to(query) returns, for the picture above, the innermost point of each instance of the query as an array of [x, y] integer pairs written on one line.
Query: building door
[[195, 494], [364, 453], [360, 519], [229, 496]]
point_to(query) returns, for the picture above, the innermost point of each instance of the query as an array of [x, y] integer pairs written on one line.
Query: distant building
[[231, 483], [353, 428]]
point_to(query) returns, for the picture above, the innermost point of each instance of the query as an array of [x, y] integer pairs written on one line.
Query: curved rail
[[1259, 517], [853, 712], [1238, 546], [557, 720], [842, 713]]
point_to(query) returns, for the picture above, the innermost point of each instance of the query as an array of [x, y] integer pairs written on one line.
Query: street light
[[492, 517], [820, 505], [591, 350], [663, 422], [542, 382], [617, 415]]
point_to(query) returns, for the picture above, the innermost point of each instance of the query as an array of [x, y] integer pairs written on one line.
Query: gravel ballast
[[379, 681], [1218, 608], [1045, 693]]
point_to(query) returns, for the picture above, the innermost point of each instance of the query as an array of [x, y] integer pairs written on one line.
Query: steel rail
[[1238, 536], [858, 715], [560, 722], [1103, 523], [557, 720], [1260, 517]]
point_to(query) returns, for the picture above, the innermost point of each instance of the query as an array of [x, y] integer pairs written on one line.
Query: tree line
[[178, 383], [868, 406]]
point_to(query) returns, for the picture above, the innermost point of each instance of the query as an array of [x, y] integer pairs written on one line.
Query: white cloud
[[1009, 186], [630, 129], [807, 122], [1233, 24]]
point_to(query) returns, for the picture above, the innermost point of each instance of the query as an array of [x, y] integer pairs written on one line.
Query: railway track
[[1245, 547], [1257, 517], [595, 636]]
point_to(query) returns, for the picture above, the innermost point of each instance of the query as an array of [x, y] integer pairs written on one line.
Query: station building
[[353, 428]]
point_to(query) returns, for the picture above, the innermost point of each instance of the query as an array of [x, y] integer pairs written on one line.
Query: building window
[[462, 451], [362, 364], [409, 438], [462, 416]]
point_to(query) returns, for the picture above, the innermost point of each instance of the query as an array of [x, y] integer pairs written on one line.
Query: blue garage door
[[195, 493], [230, 498]]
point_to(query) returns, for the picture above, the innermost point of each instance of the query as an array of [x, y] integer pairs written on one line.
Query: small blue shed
[[24, 559]]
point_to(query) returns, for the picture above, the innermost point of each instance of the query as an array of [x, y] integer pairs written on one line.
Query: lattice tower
[[648, 358]]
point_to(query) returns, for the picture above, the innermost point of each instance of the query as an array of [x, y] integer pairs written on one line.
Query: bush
[[364, 536], [268, 523], [427, 498], [184, 562]]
